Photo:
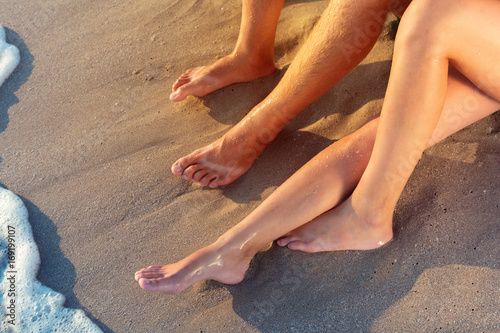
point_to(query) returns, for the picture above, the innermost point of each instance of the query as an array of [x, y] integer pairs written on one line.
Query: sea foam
[[27, 306], [9, 57]]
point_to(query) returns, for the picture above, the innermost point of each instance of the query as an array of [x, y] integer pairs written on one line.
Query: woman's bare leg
[[344, 35], [253, 56], [464, 105], [364, 221]]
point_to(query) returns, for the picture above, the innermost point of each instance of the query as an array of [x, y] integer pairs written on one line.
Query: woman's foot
[[220, 263], [342, 228], [231, 69]]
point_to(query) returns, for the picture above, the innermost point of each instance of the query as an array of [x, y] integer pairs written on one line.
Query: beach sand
[[88, 135]]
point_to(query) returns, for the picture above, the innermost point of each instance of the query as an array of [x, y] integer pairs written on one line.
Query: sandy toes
[[228, 70], [338, 229]]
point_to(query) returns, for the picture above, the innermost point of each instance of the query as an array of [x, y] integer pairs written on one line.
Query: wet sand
[[88, 134]]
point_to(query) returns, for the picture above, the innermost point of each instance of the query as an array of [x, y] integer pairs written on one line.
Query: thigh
[[469, 33]]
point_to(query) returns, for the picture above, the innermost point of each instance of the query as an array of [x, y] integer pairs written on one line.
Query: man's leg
[[318, 186], [253, 56], [344, 35]]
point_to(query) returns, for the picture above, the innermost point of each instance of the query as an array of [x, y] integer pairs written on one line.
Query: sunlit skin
[[252, 57], [345, 196], [331, 51]]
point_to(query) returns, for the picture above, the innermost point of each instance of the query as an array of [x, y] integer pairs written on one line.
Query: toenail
[[173, 95], [177, 168]]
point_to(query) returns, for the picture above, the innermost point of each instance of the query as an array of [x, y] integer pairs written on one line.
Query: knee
[[422, 25]]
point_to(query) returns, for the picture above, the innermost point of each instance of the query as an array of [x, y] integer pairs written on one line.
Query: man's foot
[[225, 71], [341, 228], [223, 161], [209, 263]]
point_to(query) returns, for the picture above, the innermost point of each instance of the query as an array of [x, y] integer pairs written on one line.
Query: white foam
[[9, 57], [37, 307]]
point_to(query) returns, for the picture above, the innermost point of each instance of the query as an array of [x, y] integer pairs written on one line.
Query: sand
[[88, 134]]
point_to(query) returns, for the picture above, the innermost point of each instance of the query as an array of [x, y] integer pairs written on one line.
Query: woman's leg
[[253, 56], [433, 34], [464, 105]]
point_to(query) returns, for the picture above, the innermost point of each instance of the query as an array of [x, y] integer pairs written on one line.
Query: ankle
[[376, 214], [217, 262], [259, 131], [256, 61], [238, 247], [378, 220]]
